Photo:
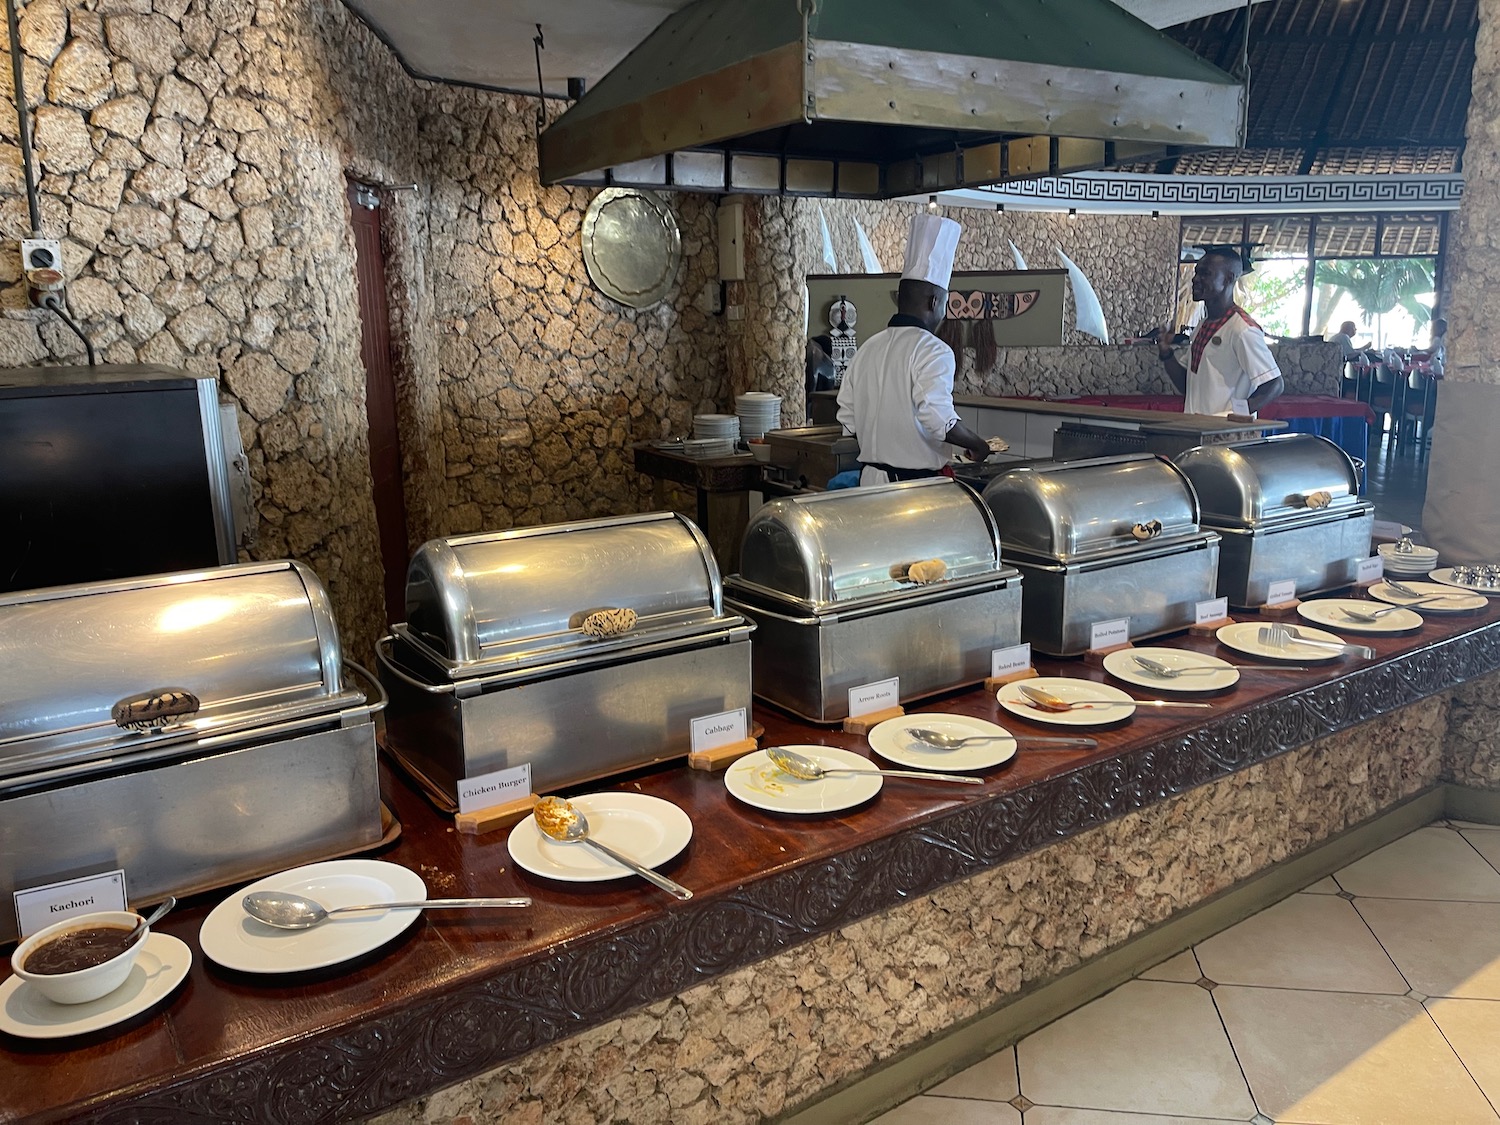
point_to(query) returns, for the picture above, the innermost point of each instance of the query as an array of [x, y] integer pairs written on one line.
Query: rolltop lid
[[1286, 477], [517, 597], [252, 644], [1064, 510], [834, 549]]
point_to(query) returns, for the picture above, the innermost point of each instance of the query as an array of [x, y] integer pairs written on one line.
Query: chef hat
[[929, 250]]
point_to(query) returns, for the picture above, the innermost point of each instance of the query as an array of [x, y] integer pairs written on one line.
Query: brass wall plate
[[631, 246]]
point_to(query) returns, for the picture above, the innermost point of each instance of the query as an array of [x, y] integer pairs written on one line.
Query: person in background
[[1344, 338], [818, 371], [1231, 370], [897, 394], [1437, 351]]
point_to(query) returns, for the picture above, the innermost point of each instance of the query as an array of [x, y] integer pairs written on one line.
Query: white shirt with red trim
[[1235, 361]]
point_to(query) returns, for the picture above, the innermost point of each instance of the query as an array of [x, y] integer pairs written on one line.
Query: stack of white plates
[[758, 412], [716, 427], [708, 447], [1407, 564]]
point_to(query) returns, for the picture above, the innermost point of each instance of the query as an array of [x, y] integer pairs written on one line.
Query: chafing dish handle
[[370, 678], [382, 649]]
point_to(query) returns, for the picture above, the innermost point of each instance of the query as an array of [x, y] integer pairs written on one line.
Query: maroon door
[[380, 396]]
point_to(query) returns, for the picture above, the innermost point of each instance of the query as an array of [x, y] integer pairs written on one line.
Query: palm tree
[[1378, 285]]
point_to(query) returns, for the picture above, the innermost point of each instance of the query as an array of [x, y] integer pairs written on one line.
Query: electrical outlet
[[41, 254]]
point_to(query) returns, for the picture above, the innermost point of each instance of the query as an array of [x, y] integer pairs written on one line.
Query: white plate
[[1405, 530], [1445, 576], [159, 967], [756, 781], [1120, 664], [647, 829], [1244, 637], [1015, 702], [1329, 611], [891, 741], [232, 938], [1453, 601]]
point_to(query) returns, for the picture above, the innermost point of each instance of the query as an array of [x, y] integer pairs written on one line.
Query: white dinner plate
[[892, 742], [1444, 574], [1120, 707], [757, 781], [1405, 530], [1330, 612], [232, 938], [1245, 637], [159, 968], [1120, 664], [647, 829], [1454, 601]]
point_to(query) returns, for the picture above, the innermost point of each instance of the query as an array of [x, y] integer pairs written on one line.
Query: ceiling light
[[1072, 212], [932, 204], [1156, 214]]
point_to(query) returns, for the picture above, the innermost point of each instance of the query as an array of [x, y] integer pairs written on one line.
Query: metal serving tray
[[821, 580]]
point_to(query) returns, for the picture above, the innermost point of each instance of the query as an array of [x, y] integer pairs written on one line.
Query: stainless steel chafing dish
[[1288, 507], [250, 752], [822, 578], [810, 455], [495, 666], [1102, 539]]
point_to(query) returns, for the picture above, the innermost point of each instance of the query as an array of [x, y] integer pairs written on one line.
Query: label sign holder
[[39, 907]]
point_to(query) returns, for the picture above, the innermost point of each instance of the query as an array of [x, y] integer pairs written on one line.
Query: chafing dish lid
[[832, 548], [1287, 476], [504, 596], [1070, 509]]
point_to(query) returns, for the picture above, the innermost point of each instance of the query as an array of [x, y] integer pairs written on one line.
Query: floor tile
[[1324, 886], [1183, 968], [1441, 948], [994, 1079], [1431, 863], [1059, 1115], [1472, 1028], [949, 1111], [1474, 824], [1485, 841], [1305, 941], [1148, 1047], [1331, 1058]]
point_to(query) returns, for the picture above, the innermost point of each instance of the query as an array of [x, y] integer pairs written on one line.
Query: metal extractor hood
[[887, 98]]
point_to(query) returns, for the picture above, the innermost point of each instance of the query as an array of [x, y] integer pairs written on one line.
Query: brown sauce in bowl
[[77, 949]]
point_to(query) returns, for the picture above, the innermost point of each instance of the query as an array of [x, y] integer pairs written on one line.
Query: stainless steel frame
[[1321, 554]]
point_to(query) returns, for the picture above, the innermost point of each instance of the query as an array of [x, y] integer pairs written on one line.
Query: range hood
[[887, 98]]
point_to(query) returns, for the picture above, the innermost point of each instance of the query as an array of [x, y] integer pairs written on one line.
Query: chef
[[897, 394]]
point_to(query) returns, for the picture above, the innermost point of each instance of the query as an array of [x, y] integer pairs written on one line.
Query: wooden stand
[[1281, 609], [721, 756], [863, 723], [480, 821], [1096, 655], [995, 683], [1209, 628]]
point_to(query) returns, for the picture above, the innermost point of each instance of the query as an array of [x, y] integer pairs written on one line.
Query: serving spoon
[[561, 820], [287, 910], [145, 922], [805, 768], [1049, 702], [949, 742]]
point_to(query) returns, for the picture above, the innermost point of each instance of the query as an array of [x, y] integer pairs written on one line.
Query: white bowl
[[761, 451], [86, 984]]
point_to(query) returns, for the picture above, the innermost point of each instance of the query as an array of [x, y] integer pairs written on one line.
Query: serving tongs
[[1280, 635]]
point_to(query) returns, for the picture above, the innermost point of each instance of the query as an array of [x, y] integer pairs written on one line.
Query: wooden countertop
[[1149, 419], [460, 993]]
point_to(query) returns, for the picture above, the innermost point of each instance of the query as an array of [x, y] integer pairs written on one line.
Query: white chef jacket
[[897, 399], [1234, 363]]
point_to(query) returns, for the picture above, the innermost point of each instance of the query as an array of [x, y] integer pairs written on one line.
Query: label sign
[[1281, 591], [499, 787], [712, 731], [1108, 634], [39, 907], [879, 696], [1016, 658], [1368, 570], [1215, 609], [1386, 529]]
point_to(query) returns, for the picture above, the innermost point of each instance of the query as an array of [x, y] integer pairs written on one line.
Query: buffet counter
[[460, 994]]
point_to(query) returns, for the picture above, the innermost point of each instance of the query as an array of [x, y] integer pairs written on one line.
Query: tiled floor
[[1370, 998], [1396, 483]]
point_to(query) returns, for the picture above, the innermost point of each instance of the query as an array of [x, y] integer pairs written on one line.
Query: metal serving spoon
[[1049, 702], [949, 742], [1360, 615], [801, 766], [560, 820], [1157, 668], [1407, 591], [145, 922], [289, 911]]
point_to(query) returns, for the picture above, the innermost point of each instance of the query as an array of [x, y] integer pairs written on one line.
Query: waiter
[[1231, 370], [897, 394]]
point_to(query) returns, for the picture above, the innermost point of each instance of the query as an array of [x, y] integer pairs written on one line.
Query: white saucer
[[647, 829], [892, 742], [1329, 611], [232, 938], [1244, 637], [1454, 600], [755, 780], [159, 967], [1120, 664], [1445, 576], [1012, 699]]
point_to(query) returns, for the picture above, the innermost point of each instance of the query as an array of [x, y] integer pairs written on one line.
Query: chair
[[1420, 404], [1389, 398]]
